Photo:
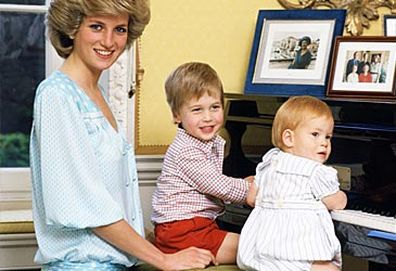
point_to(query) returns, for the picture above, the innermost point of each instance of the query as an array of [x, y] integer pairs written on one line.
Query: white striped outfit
[[290, 227], [191, 183]]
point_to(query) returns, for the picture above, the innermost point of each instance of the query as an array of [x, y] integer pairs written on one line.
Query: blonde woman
[[86, 205]]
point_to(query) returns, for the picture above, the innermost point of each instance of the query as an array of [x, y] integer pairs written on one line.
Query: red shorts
[[199, 232]]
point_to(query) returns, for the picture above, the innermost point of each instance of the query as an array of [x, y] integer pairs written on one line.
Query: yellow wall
[[219, 32]]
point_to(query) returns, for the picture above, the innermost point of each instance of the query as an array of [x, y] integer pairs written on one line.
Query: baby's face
[[202, 117], [311, 139]]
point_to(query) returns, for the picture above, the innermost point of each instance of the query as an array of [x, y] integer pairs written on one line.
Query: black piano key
[[375, 211]]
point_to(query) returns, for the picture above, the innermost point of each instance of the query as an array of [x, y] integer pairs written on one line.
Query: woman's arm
[[123, 236], [336, 201]]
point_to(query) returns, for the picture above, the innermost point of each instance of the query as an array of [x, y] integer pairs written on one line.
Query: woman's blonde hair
[[293, 112], [191, 80], [64, 18]]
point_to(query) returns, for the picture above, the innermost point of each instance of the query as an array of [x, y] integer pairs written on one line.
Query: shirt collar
[[215, 143], [288, 163]]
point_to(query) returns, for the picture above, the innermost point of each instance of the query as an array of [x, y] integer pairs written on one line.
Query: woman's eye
[[96, 27], [121, 30]]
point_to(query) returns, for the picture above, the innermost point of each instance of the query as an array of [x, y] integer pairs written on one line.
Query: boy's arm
[[251, 195], [205, 176], [336, 201]]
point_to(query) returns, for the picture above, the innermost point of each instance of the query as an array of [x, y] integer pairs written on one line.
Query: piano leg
[[236, 164]]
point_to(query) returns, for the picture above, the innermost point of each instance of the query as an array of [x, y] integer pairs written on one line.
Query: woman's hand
[[189, 258]]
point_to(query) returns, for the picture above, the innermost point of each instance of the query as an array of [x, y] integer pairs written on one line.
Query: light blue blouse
[[83, 176]]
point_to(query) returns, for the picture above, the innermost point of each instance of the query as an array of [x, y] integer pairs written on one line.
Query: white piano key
[[373, 221]]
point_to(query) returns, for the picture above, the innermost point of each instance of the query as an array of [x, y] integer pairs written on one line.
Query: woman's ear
[[288, 138]]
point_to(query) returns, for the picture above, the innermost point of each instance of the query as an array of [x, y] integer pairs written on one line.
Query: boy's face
[[311, 139], [202, 118]]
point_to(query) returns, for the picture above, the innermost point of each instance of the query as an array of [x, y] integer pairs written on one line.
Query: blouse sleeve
[[73, 193], [203, 175], [324, 182]]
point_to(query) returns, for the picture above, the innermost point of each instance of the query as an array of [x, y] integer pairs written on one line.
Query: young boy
[[191, 190]]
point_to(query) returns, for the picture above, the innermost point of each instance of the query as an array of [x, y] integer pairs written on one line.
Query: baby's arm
[[336, 201], [325, 186]]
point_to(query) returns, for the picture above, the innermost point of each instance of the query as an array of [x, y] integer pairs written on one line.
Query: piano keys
[[365, 219]]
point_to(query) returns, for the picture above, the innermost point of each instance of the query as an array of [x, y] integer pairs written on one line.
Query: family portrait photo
[[366, 66]]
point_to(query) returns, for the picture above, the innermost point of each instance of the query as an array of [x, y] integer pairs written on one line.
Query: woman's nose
[[108, 39]]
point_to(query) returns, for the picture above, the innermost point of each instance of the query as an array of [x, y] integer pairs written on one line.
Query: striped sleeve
[[324, 182]]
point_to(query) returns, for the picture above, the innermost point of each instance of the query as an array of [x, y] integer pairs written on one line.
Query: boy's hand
[[252, 192], [249, 179]]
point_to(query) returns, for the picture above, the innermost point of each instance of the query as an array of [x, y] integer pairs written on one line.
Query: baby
[[290, 227]]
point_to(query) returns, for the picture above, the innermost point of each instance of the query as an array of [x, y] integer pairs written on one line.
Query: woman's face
[[100, 40], [304, 44], [366, 68]]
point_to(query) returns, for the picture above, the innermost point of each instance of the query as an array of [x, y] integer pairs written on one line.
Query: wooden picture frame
[[363, 68]]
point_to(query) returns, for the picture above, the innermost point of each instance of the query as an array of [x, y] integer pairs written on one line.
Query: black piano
[[363, 152]]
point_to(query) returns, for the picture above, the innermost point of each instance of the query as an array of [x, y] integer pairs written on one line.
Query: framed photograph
[[390, 25], [291, 51], [364, 68]]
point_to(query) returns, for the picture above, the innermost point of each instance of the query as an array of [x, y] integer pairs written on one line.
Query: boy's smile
[[202, 118]]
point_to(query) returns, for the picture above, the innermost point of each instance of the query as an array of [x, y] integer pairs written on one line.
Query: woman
[[353, 76], [365, 75], [86, 206], [376, 67], [303, 55]]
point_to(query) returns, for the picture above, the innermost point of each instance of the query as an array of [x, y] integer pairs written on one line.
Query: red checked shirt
[[191, 183]]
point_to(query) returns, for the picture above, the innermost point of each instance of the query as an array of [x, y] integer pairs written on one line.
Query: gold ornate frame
[[359, 12]]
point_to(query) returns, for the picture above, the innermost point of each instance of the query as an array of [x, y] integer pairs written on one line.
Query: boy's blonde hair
[[191, 80], [293, 112]]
